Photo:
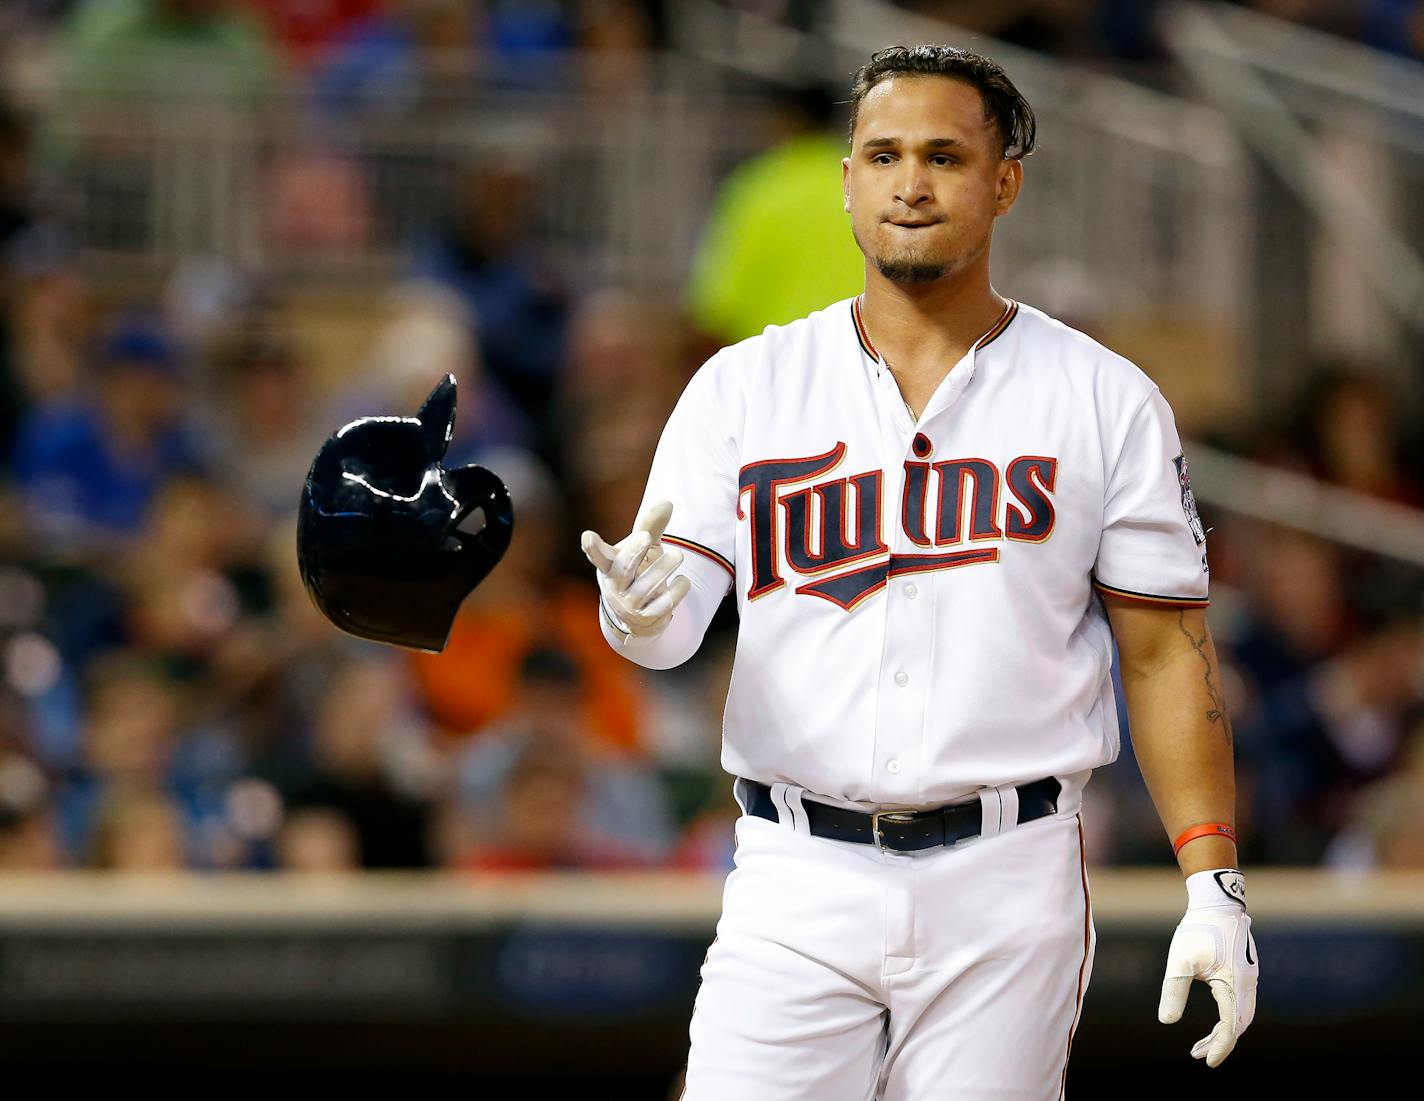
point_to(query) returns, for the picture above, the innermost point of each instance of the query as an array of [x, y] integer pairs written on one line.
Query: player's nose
[[913, 188]]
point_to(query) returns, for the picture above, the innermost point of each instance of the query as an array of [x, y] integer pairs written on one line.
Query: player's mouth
[[911, 225]]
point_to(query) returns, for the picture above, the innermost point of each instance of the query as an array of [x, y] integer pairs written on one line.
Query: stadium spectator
[[409, 58], [316, 202], [620, 800], [1388, 827], [420, 54], [122, 52], [1314, 740], [1297, 618], [263, 430], [307, 29], [135, 741], [538, 826], [27, 829], [1346, 431], [51, 625], [88, 467], [138, 831], [127, 72], [527, 45], [624, 374], [777, 244], [182, 602], [51, 324], [39, 288], [318, 840], [429, 333], [371, 762], [1293, 610], [42, 297], [614, 40], [409, 69], [621, 347], [528, 602], [517, 297]]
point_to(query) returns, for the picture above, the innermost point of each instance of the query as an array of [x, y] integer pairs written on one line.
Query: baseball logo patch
[[1189, 501], [1234, 884]]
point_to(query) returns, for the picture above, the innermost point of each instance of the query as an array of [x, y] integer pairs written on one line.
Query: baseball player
[[938, 509]]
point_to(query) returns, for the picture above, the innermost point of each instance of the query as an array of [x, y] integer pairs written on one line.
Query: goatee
[[903, 269], [910, 271]]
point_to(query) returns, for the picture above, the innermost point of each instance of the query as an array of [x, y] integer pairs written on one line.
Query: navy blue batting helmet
[[389, 542]]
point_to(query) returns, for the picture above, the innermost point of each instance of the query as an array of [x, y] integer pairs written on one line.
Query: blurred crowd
[[360, 52], [1126, 30], [169, 698]]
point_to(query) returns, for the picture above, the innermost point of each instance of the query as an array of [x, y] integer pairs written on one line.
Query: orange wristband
[[1206, 829]]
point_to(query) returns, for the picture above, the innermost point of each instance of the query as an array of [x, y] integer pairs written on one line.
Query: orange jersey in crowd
[[475, 680]]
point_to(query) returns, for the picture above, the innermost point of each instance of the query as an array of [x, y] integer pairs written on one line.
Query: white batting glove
[[1213, 943], [632, 575]]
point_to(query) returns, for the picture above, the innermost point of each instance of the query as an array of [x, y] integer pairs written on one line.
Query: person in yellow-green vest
[[778, 243]]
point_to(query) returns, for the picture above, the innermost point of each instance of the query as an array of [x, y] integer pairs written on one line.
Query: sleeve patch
[[1189, 501]]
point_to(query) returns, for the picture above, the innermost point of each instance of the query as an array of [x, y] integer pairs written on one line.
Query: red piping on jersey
[[1152, 598], [706, 552], [860, 332], [1011, 311]]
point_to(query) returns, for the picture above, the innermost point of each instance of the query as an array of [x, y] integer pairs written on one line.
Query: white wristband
[[612, 620]]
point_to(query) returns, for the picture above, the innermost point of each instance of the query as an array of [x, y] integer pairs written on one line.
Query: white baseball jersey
[[918, 615]]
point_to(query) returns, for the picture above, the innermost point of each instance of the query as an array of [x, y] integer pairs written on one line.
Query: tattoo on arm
[[1217, 712]]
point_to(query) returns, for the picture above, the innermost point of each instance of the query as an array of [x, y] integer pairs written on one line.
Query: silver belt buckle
[[894, 816]]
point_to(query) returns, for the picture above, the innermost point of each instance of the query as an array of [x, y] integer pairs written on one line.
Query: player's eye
[[880, 158], [943, 159]]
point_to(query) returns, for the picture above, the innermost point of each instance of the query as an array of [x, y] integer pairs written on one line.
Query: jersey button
[[892, 767], [911, 591], [902, 678]]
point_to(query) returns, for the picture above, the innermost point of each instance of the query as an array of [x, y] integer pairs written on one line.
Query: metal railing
[[1341, 129], [1318, 74], [616, 185], [1285, 498], [1143, 192]]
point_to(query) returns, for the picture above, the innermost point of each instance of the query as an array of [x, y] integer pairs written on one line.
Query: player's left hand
[[1213, 943]]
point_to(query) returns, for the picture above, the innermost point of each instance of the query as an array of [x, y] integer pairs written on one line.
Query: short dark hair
[[1003, 102]]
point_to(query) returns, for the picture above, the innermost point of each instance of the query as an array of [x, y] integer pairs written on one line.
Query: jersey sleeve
[[1153, 546], [679, 640], [696, 465]]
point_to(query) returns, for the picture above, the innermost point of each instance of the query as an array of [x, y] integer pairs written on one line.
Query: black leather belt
[[902, 830]]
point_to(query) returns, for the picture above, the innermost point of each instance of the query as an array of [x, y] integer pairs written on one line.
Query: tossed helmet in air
[[389, 542]]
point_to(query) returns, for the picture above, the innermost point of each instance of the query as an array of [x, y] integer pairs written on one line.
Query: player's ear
[[1010, 183], [845, 182]]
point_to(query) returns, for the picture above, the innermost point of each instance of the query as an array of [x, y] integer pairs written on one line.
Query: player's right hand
[[1213, 943], [633, 574]]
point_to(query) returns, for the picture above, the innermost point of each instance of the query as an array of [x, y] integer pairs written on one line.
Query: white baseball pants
[[843, 973]]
